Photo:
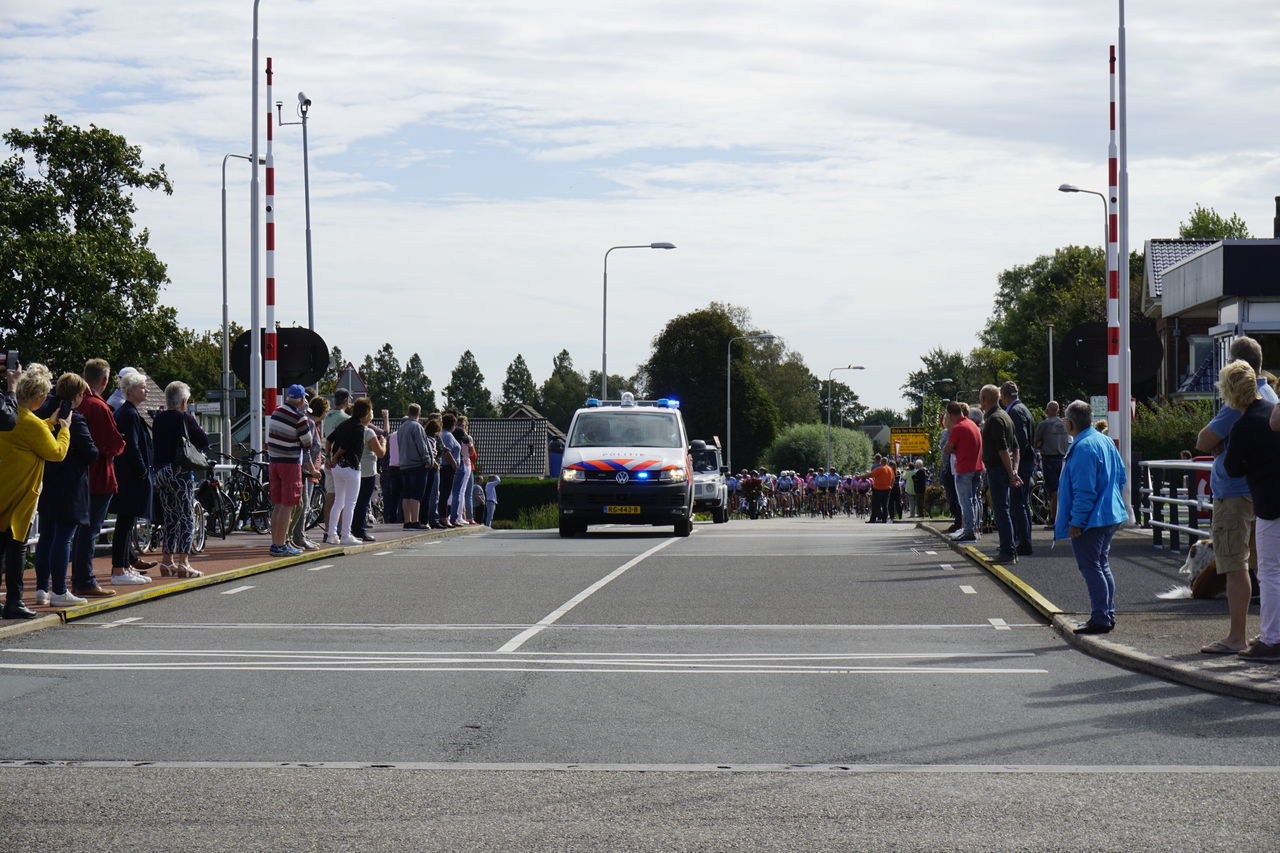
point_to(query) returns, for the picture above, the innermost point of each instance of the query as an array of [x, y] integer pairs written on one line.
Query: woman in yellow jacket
[[23, 452]]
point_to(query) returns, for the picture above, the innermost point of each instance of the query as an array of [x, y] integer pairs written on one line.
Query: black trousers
[[953, 498], [122, 555], [391, 494], [13, 554], [361, 511], [880, 505]]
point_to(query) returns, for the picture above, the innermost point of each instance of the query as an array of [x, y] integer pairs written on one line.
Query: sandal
[[1217, 647], [184, 571], [168, 570]]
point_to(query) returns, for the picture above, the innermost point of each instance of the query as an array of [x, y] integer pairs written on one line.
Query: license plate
[[622, 510]]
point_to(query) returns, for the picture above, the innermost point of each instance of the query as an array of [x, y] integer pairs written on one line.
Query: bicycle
[[148, 534]]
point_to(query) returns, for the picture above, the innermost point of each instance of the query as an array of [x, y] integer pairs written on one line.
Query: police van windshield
[[632, 429], [706, 462]]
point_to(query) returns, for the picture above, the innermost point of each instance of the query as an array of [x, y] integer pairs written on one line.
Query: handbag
[[186, 456]]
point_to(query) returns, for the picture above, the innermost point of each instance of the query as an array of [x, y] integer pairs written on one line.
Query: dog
[[1202, 568]]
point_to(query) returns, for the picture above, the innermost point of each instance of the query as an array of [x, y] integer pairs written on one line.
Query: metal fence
[[1175, 500]]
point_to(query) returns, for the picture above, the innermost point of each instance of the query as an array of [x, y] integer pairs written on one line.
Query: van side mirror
[[556, 446], [724, 469], [697, 446]]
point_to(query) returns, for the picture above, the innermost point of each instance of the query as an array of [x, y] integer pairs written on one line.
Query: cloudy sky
[[854, 173]]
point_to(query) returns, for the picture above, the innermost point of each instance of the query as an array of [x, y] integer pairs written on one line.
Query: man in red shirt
[[882, 481], [965, 441], [102, 478]]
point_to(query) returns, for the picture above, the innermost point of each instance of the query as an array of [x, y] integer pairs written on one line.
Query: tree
[[1206, 222], [518, 387], [384, 379], [844, 402], [76, 280], [466, 392], [803, 446], [416, 385], [617, 384], [193, 357], [1065, 289], [884, 417], [564, 391], [939, 365], [686, 363], [329, 381], [793, 389]]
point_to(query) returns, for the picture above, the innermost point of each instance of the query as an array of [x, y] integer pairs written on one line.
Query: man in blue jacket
[[1090, 510]]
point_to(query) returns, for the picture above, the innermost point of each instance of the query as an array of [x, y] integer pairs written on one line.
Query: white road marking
[[968, 590], [375, 626], [948, 567], [1000, 624], [320, 568], [382, 553], [237, 589], [931, 553], [524, 636], [123, 621]]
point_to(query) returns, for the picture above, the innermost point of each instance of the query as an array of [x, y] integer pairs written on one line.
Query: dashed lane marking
[[1000, 625], [236, 590], [320, 568], [119, 622], [968, 590]]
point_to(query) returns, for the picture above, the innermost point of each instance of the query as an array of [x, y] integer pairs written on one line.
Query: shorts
[[413, 483], [286, 483], [1233, 533], [1052, 468]]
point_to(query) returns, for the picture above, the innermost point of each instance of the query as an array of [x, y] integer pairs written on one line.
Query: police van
[[626, 462]]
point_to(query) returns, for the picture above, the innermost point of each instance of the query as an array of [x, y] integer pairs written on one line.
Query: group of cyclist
[[819, 492]]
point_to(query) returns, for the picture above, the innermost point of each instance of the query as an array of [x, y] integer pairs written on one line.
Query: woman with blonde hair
[[133, 498], [23, 452]]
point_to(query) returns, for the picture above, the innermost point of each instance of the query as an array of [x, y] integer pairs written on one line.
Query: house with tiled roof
[[1206, 293]]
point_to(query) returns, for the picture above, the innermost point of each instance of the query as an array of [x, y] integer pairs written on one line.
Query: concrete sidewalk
[[1160, 637], [239, 555]]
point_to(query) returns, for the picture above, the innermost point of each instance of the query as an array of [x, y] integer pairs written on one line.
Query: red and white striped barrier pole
[[269, 341], [1114, 421]]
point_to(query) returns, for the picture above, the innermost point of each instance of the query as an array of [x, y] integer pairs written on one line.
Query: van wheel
[[568, 528], [720, 515], [684, 527]]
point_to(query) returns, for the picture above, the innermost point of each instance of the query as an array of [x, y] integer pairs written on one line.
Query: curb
[[1226, 684], [119, 601], [1119, 654]]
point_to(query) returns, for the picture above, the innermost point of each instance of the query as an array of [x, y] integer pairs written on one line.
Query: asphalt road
[[789, 685]]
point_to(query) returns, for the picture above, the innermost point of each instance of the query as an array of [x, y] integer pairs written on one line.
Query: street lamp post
[[728, 388], [226, 327], [304, 106], [604, 311], [255, 294], [829, 375], [1050, 361]]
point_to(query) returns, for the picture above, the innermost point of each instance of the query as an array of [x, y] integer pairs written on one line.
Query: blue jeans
[[489, 508], [998, 484], [86, 538], [432, 497], [1019, 504], [1091, 549], [966, 489], [53, 552], [457, 496]]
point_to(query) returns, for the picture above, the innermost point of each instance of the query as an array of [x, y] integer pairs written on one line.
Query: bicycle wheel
[[199, 531], [1039, 501], [315, 508], [144, 535]]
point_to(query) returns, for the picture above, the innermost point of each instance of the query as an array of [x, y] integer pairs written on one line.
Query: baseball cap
[[295, 392]]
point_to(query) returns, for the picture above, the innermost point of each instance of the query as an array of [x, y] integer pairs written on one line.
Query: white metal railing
[[1172, 501]]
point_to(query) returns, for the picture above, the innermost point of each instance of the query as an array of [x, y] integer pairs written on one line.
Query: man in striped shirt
[[288, 432]]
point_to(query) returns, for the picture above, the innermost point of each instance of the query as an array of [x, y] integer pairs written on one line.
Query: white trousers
[[1268, 537], [346, 488]]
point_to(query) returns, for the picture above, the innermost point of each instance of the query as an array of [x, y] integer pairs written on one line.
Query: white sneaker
[[308, 545], [129, 577], [66, 599], [42, 596], [349, 540]]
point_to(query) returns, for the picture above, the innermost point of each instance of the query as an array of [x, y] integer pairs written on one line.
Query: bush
[[517, 494], [538, 517], [935, 501], [804, 446], [1164, 430]]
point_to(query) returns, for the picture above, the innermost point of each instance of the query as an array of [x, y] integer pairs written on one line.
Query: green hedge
[[523, 493]]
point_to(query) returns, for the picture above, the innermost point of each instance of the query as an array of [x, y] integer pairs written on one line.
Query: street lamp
[[226, 328], [604, 321], [728, 388], [1106, 211], [255, 293], [1050, 325], [304, 106], [829, 374]]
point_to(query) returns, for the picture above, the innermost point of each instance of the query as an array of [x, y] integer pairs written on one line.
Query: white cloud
[[855, 173]]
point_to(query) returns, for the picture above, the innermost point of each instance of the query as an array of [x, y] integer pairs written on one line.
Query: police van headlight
[[572, 475], [674, 475]]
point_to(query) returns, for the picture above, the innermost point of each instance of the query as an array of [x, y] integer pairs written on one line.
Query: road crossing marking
[[320, 568], [948, 567], [893, 663], [1000, 625], [968, 590], [123, 621], [237, 589]]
